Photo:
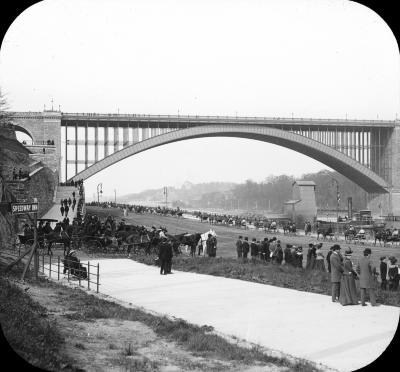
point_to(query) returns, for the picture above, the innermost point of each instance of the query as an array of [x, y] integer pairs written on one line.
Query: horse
[[203, 240], [289, 228], [57, 237], [392, 236], [349, 234], [381, 236], [325, 231], [272, 227]]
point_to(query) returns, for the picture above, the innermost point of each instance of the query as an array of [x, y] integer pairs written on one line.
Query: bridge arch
[[358, 173], [24, 130]]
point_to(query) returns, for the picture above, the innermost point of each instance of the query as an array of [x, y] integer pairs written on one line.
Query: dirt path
[[121, 345]]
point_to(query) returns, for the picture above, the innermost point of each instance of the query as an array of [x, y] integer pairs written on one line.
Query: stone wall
[[40, 186]]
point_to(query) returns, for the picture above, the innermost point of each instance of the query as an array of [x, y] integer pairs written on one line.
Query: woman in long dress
[[348, 291], [319, 261]]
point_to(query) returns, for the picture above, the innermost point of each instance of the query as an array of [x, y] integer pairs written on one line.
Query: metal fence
[[52, 266]]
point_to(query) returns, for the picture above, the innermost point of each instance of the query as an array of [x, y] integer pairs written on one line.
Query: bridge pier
[[389, 204]]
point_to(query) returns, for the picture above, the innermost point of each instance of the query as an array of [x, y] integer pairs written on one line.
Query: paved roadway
[[301, 324]]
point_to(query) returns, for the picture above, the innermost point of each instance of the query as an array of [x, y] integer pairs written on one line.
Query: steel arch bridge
[[359, 173], [365, 151]]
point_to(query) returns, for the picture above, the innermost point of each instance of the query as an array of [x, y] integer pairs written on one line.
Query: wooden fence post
[[50, 268], [88, 275], [98, 269], [58, 269]]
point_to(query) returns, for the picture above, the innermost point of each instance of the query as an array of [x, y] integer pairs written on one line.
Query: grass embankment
[[39, 342], [27, 330], [265, 273]]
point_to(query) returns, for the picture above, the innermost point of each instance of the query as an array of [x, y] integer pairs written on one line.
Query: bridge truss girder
[[361, 174]]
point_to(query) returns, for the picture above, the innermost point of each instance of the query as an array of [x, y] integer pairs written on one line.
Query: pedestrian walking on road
[[62, 210], [348, 291], [367, 274], [162, 255], [239, 247], [336, 272], [66, 209], [69, 201]]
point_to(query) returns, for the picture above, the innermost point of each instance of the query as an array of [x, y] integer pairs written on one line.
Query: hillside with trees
[[267, 195]]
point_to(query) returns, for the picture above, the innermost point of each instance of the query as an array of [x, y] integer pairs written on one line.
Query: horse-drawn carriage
[[325, 230], [289, 227], [73, 266], [386, 235]]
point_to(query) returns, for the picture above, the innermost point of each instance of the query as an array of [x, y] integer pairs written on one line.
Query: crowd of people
[[342, 270], [78, 183], [20, 174]]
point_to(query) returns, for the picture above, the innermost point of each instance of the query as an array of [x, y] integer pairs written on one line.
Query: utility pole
[[115, 196], [337, 205], [166, 196]]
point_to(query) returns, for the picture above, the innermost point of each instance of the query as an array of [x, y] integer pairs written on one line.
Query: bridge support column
[[389, 203]]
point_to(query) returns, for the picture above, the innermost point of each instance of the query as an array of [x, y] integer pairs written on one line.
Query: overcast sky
[[316, 58]]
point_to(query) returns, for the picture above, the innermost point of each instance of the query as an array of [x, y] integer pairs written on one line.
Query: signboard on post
[[22, 208]]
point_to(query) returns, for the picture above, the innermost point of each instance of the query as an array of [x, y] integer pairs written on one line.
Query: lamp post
[[337, 204], [99, 192]]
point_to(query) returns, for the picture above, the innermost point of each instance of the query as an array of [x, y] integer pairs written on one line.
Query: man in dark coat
[[239, 248], [336, 272], [164, 255], [367, 273], [66, 210], [383, 272], [265, 250], [245, 247], [254, 249], [288, 254], [211, 248]]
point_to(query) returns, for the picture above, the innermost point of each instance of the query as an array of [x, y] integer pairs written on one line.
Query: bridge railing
[[225, 117]]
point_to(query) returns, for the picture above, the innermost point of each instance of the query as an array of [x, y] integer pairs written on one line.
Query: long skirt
[[320, 265], [348, 291]]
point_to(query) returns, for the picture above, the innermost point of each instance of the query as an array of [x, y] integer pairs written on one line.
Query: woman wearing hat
[[319, 260], [348, 291]]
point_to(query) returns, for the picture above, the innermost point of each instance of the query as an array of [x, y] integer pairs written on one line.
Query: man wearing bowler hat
[[367, 272], [336, 272]]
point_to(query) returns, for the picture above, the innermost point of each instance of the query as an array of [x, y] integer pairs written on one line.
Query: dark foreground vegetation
[[40, 342], [27, 330], [265, 273]]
